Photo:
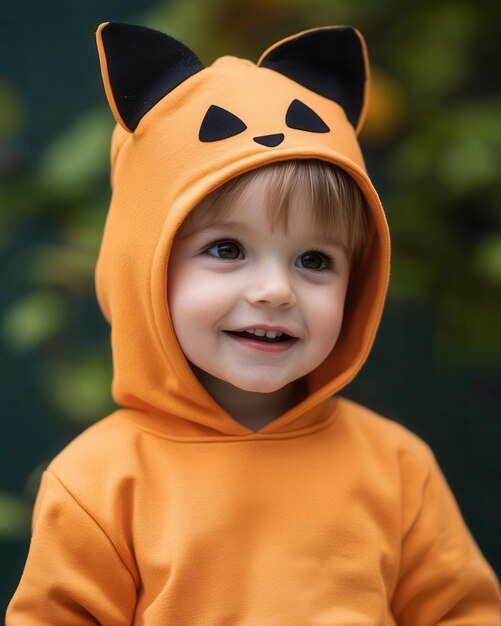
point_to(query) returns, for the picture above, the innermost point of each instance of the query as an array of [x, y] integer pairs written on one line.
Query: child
[[243, 271]]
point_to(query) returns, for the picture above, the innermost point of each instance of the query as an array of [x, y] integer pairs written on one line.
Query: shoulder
[[95, 447], [101, 464], [383, 436], [88, 490], [388, 456]]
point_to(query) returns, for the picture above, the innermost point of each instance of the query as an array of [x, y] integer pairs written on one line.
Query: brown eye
[[225, 250], [312, 260]]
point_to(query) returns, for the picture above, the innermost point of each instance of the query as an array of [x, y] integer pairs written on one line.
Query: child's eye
[[225, 250], [313, 260]]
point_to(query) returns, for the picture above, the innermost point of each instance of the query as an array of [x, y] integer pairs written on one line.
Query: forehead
[[250, 213]]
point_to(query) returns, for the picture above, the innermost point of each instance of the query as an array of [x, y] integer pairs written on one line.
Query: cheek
[[186, 306], [179, 293], [195, 301], [325, 318]]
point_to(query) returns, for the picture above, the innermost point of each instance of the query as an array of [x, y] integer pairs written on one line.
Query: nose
[[272, 286], [270, 140]]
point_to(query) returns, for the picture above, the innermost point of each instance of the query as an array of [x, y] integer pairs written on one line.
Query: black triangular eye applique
[[270, 140], [300, 116], [219, 123]]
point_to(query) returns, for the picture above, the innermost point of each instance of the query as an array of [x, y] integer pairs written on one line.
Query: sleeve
[[73, 573], [444, 579]]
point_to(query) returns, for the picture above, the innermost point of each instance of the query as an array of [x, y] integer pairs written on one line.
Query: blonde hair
[[337, 203]]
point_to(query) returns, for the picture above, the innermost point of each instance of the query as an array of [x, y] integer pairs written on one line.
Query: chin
[[257, 386]]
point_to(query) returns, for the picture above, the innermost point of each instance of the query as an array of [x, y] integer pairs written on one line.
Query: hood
[[184, 129]]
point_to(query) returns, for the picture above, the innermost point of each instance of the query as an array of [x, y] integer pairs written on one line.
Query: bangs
[[335, 199]]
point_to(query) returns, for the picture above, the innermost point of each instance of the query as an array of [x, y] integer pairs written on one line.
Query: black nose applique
[[270, 140]]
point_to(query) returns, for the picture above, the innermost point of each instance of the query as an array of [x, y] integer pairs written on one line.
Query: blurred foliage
[[15, 514], [11, 110], [33, 319], [433, 135]]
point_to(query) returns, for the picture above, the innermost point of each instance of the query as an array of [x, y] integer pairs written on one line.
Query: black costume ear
[[139, 67], [331, 61]]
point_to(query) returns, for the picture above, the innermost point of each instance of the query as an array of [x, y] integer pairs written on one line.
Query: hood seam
[[253, 437]]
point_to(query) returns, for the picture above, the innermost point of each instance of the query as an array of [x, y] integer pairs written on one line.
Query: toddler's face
[[232, 279]]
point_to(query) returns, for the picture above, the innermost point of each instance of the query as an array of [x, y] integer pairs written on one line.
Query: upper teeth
[[259, 332]]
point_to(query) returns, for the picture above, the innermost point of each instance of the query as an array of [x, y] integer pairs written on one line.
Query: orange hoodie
[[169, 511]]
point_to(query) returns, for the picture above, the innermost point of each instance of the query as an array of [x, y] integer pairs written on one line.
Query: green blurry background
[[433, 148]]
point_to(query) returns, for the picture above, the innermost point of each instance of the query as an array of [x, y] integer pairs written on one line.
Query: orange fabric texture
[[169, 511]]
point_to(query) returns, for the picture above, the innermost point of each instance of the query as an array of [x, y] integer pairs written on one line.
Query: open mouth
[[279, 337]]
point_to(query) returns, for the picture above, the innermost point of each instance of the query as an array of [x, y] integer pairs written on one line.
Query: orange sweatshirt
[[169, 511]]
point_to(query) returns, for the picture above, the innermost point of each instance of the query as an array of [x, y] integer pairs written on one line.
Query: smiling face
[[253, 306]]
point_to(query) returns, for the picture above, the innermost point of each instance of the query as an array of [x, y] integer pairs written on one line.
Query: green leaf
[[488, 259], [11, 110], [15, 516], [64, 266], [82, 390], [80, 156], [33, 319]]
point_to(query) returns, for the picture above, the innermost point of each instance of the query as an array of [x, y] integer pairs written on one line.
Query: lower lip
[[255, 344]]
